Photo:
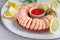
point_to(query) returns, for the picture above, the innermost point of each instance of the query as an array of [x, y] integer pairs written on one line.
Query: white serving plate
[[15, 28]]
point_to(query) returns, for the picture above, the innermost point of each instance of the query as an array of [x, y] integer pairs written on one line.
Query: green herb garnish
[[58, 1], [50, 11], [30, 1], [35, 0]]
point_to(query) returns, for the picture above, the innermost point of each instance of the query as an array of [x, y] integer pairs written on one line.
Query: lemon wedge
[[54, 25], [17, 6], [44, 5], [54, 3], [11, 4], [14, 5], [10, 13]]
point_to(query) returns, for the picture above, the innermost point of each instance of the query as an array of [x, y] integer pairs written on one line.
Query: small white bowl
[[37, 16]]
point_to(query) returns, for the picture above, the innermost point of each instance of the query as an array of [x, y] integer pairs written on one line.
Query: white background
[[5, 34]]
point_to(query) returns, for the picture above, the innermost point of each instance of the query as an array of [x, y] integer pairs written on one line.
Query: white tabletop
[[5, 34]]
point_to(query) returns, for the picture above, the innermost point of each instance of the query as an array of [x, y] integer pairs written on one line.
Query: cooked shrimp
[[33, 24], [20, 13], [26, 20], [19, 20], [29, 6], [43, 24], [37, 24], [49, 17], [40, 24], [46, 22], [29, 23], [23, 19]]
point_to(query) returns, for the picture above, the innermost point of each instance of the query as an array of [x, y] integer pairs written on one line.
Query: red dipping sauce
[[37, 11]]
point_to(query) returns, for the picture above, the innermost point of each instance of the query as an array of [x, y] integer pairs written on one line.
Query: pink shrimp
[[23, 19], [49, 17], [37, 24], [29, 23], [25, 22], [43, 24], [33, 24], [46, 22], [40, 24]]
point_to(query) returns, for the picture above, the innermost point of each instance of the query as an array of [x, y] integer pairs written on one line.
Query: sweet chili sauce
[[37, 11]]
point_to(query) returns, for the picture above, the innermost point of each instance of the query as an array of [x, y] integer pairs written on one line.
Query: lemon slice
[[11, 4], [10, 13], [54, 25], [14, 5], [54, 3]]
